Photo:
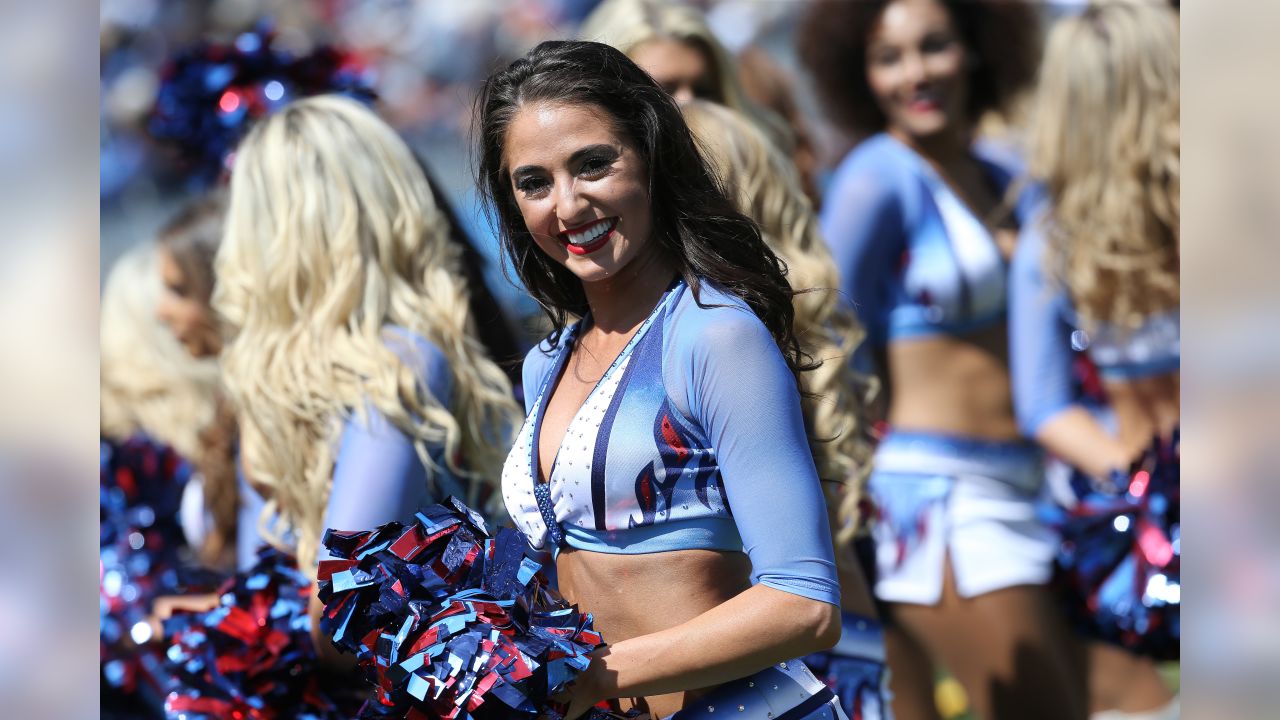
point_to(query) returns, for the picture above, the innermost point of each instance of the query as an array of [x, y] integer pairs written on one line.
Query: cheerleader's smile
[[588, 238]]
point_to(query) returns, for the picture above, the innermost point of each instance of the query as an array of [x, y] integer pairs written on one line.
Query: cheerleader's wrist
[[860, 637], [589, 688]]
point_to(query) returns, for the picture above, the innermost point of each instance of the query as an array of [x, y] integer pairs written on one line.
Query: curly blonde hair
[[148, 381], [766, 187], [1105, 142], [333, 235]]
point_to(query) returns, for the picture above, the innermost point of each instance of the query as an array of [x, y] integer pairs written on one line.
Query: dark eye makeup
[[596, 164], [530, 185], [590, 162]]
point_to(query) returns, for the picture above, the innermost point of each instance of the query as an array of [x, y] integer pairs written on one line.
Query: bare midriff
[[634, 595], [953, 384]]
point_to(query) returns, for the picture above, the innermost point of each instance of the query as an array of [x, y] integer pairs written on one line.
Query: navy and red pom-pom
[[252, 656], [143, 555], [449, 621], [1121, 556], [210, 94]]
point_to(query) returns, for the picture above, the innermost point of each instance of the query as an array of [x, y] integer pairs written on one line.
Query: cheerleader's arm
[[863, 223], [1040, 357]]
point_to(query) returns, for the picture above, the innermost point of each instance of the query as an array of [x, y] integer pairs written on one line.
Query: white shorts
[[972, 500]]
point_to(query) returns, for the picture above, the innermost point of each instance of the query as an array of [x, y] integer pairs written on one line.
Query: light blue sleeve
[[537, 364], [1039, 337], [248, 521], [864, 223], [378, 476], [739, 390]]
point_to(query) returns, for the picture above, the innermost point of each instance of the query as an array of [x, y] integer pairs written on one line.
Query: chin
[[589, 271], [602, 264], [927, 128]]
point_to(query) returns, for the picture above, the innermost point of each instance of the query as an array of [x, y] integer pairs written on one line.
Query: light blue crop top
[[1044, 330], [911, 256], [378, 476], [692, 439]]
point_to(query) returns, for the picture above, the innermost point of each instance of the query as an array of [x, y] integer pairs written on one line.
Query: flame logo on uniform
[[674, 443], [904, 511], [681, 457], [906, 534]]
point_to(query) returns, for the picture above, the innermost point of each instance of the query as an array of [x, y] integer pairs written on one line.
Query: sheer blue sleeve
[[863, 222], [1039, 337], [739, 390], [248, 519], [537, 364], [378, 476]]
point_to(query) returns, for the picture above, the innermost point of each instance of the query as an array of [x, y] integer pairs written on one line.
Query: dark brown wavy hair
[[695, 223], [1002, 35]]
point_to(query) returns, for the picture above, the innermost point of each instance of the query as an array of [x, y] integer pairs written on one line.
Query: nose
[[571, 205], [913, 69]]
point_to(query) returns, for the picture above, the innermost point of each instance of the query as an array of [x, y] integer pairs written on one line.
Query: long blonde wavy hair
[[1105, 142], [149, 382], [332, 235], [766, 187], [628, 24]]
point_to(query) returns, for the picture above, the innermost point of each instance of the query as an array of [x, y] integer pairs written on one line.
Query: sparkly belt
[[786, 691]]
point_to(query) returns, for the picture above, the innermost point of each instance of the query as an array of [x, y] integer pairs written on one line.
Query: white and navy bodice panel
[[911, 256], [626, 431], [1045, 333], [692, 439]]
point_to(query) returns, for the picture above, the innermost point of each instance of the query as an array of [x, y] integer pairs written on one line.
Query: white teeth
[[590, 234]]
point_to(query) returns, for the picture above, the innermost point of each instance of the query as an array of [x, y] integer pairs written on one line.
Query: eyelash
[[595, 166], [531, 186], [591, 168]]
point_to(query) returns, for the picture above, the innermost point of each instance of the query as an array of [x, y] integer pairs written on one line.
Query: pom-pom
[[210, 94], [1121, 555], [140, 553], [252, 656], [449, 621]]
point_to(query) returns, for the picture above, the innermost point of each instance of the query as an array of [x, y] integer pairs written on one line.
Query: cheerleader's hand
[[584, 692], [591, 689], [166, 605]]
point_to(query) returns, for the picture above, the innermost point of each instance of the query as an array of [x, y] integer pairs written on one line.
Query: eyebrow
[[578, 155]]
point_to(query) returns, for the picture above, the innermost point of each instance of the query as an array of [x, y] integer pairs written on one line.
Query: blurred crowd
[[425, 60]]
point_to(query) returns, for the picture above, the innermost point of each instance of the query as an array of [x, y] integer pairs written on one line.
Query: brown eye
[[594, 166], [531, 186]]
